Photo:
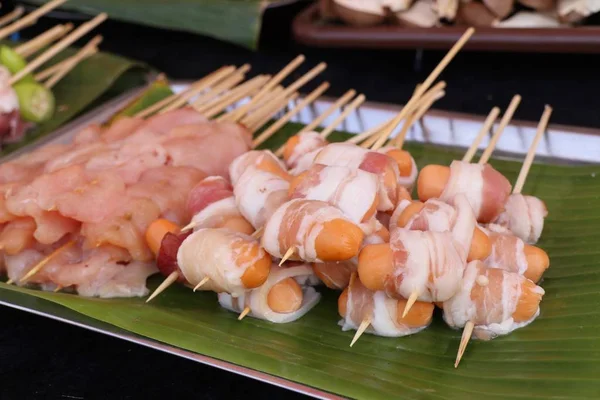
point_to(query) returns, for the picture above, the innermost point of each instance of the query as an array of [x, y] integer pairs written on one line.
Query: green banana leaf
[[94, 80], [556, 357], [235, 21]]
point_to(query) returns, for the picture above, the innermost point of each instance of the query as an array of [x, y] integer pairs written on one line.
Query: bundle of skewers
[[26, 97], [182, 189]]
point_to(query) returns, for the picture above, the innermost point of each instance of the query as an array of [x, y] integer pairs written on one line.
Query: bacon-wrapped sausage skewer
[[416, 265], [524, 215], [212, 204], [354, 192], [314, 231], [280, 299], [491, 302], [374, 312]]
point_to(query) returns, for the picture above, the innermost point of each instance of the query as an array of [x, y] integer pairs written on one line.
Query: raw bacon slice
[[263, 160], [256, 299], [354, 192], [300, 145], [489, 298], [524, 216], [258, 194], [486, 189], [381, 310]]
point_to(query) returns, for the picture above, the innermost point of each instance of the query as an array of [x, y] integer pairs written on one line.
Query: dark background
[[44, 359]]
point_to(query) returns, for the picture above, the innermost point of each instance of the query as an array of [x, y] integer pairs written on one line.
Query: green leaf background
[[556, 357], [91, 82], [235, 21]]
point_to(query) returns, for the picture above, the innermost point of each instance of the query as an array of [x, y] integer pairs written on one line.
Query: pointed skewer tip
[[244, 313], [409, 303], [202, 282], [164, 285], [361, 329], [464, 340]]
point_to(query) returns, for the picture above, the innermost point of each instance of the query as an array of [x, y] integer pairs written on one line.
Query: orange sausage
[[269, 165], [528, 302], [431, 181], [375, 264], [403, 159], [289, 147], [419, 315], [537, 262], [258, 272], [481, 246], [333, 274], [295, 181], [238, 224], [338, 240], [156, 232], [285, 296]]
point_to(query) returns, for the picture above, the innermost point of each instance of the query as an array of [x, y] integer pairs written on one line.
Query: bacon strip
[[354, 192], [524, 216], [488, 297], [486, 189]]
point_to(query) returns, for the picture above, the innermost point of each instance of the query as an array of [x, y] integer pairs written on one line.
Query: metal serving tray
[[561, 144]]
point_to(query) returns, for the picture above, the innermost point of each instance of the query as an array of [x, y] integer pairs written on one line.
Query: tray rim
[[584, 39]]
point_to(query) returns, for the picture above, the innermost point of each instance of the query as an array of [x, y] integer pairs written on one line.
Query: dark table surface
[[45, 359]]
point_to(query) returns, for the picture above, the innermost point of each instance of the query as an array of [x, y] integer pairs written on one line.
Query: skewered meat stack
[[328, 214]]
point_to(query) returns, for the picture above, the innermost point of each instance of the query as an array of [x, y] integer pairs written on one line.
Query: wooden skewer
[[228, 82], [541, 129], [361, 329], [45, 261], [30, 18], [317, 121], [369, 133], [58, 289], [287, 255], [410, 302], [280, 76], [48, 72], [422, 88], [86, 51], [268, 112], [173, 276], [283, 120], [464, 340], [374, 135], [422, 107], [244, 313], [216, 92], [294, 86], [258, 233], [349, 108], [423, 103], [202, 282], [248, 88], [14, 14], [512, 107], [334, 107], [44, 39], [218, 74], [58, 47], [485, 128]]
